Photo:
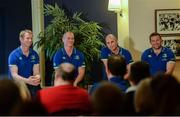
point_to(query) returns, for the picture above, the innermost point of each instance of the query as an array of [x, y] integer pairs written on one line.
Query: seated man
[[64, 98], [112, 48]]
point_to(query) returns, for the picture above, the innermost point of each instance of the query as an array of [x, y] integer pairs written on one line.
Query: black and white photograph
[[167, 21], [173, 44]]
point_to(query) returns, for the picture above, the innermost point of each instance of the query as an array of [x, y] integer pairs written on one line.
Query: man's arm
[[36, 73], [81, 72], [17, 77], [170, 67], [105, 65]]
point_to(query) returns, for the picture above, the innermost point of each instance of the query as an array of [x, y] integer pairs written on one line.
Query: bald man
[[112, 48], [65, 97], [69, 54]]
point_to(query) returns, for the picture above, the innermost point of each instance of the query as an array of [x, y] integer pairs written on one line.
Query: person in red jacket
[[64, 98]]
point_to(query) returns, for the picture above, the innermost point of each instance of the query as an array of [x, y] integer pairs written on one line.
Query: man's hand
[[34, 80]]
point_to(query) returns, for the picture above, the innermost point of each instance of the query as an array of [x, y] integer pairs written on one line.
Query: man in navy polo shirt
[[24, 63], [113, 49], [160, 59], [71, 55]]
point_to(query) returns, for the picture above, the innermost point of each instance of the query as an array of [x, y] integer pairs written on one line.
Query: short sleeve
[[37, 58], [104, 53], [82, 60], [128, 58], [12, 59], [171, 56], [143, 56], [56, 59]]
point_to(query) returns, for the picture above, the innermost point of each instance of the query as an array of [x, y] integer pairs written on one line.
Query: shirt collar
[[162, 50], [131, 88], [20, 51], [64, 51]]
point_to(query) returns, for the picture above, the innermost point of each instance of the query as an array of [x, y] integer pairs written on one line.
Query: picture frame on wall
[[167, 21], [172, 43]]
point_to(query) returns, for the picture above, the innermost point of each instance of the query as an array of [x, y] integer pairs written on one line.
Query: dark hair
[[154, 34], [166, 90], [107, 99], [66, 71], [29, 108], [138, 71], [9, 96], [117, 65]]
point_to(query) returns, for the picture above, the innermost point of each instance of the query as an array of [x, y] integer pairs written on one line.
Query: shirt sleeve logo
[[164, 55], [149, 56], [20, 58], [33, 58], [76, 57]]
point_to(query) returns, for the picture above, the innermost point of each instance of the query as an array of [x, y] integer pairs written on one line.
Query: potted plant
[[88, 34]]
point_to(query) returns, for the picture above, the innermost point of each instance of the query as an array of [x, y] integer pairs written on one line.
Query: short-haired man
[[113, 49], [71, 55], [24, 63], [160, 59], [64, 97], [116, 69]]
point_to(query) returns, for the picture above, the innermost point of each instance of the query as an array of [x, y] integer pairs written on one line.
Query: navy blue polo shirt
[[159, 62], [106, 52], [24, 64], [77, 58], [120, 82]]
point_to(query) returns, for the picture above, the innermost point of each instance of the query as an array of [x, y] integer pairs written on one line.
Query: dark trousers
[[33, 89]]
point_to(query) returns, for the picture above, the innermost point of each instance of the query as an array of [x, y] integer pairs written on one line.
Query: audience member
[[144, 101], [29, 108], [107, 100], [138, 71], [116, 68], [158, 96], [9, 96], [64, 98], [166, 90]]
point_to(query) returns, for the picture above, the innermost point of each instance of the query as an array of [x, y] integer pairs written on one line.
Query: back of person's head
[[29, 108], [138, 71], [166, 90], [66, 71], [24, 91], [116, 64], [144, 101], [9, 96], [107, 99]]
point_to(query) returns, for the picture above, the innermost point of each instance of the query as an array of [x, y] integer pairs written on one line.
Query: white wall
[[141, 23], [142, 19]]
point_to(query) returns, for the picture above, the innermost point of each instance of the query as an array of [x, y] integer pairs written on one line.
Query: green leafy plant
[[88, 34]]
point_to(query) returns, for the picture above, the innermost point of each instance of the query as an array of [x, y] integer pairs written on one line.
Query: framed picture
[[174, 44], [167, 21]]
